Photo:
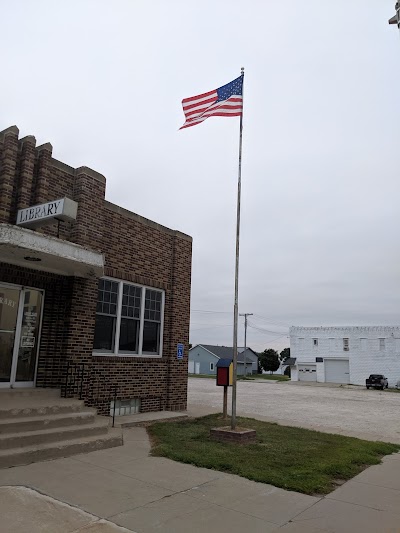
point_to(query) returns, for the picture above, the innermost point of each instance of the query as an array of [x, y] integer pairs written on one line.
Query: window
[[125, 407], [346, 345], [397, 345], [106, 316], [381, 345], [212, 367], [315, 342], [128, 319], [363, 345]]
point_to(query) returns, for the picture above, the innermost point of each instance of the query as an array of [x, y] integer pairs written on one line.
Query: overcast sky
[[320, 238]]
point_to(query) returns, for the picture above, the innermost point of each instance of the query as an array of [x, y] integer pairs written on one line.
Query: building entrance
[[20, 319]]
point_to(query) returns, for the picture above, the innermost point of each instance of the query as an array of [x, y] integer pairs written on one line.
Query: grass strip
[[292, 458]]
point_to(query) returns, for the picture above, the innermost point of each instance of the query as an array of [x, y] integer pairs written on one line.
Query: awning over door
[[30, 249]]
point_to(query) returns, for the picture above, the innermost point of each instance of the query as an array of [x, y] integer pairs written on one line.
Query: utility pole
[[396, 18], [245, 337]]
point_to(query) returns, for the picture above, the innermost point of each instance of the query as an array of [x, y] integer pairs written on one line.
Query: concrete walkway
[[146, 494]]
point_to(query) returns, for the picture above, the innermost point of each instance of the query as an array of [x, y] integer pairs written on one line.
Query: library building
[[94, 299]]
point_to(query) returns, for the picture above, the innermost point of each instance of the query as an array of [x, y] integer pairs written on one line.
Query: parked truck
[[377, 381]]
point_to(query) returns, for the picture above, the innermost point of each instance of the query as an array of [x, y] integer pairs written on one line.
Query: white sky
[[320, 244]]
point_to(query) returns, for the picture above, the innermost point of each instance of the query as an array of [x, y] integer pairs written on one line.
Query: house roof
[[224, 363], [240, 350], [224, 352]]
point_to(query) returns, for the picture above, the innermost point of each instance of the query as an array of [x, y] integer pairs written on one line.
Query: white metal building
[[345, 354]]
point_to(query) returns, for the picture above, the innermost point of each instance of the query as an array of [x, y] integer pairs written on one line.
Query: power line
[[271, 321], [256, 315], [264, 329], [212, 327], [211, 312]]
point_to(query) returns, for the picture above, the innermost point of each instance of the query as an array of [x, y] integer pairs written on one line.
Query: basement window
[[125, 407]]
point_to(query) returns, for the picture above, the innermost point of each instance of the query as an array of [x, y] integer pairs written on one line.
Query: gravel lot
[[357, 412]]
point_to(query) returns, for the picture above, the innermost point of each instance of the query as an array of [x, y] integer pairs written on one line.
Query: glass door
[[20, 318], [29, 337], [9, 303]]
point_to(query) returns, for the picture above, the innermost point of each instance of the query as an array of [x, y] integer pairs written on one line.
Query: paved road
[[357, 412]]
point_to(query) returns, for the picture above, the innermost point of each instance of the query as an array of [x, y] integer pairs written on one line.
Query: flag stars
[[226, 101]]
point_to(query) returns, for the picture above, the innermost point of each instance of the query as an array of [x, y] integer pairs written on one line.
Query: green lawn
[[202, 376], [292, 458], [277, 377]]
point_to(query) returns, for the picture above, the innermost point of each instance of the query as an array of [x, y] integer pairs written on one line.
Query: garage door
[[337, 371], [307, 372]]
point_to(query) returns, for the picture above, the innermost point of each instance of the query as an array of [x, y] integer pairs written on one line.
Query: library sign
[[39, 215]]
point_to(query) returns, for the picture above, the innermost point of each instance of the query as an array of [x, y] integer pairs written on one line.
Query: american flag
[[227, 101]]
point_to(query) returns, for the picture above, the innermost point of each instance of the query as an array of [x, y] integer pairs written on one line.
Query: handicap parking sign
[[179, 351]]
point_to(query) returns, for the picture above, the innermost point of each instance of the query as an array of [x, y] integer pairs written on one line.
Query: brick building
[[94, 299]]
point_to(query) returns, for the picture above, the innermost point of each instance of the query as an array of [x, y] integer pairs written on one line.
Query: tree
[[269, 360], [285, 354]]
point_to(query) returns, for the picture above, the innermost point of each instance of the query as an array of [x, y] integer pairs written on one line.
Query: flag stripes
[[227, 101]]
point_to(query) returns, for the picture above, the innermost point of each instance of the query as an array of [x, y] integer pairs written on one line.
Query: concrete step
[[34, 438], [24, 407], [55, 450], [32, 392], [34, 423]]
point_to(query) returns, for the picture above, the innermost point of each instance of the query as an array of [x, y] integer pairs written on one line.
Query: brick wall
[[135, 249], [54, 333]]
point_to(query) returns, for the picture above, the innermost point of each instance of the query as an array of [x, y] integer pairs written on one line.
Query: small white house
[[203, 359], [344, 354]]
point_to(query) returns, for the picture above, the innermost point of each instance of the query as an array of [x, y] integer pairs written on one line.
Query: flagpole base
[[234, 436]]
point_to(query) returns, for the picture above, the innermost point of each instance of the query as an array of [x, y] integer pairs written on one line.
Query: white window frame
[[363, 344], [115, 353], [212, 367], [315, 343]]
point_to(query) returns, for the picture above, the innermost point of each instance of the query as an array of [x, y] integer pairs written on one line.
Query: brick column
[[8, 165], [41, 188], [179, 301], [79, 325], [89, 192], [26, 171]]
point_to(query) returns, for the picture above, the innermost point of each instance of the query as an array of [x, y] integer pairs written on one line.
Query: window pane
[[108, 292], [131, 301], [151, 337], [152, 307], [129, 335], [104, 333]]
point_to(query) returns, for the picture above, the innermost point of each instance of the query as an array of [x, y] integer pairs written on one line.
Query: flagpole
[[235, 308]]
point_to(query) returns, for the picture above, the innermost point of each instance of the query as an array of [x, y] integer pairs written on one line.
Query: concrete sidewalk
[[149, 494]]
